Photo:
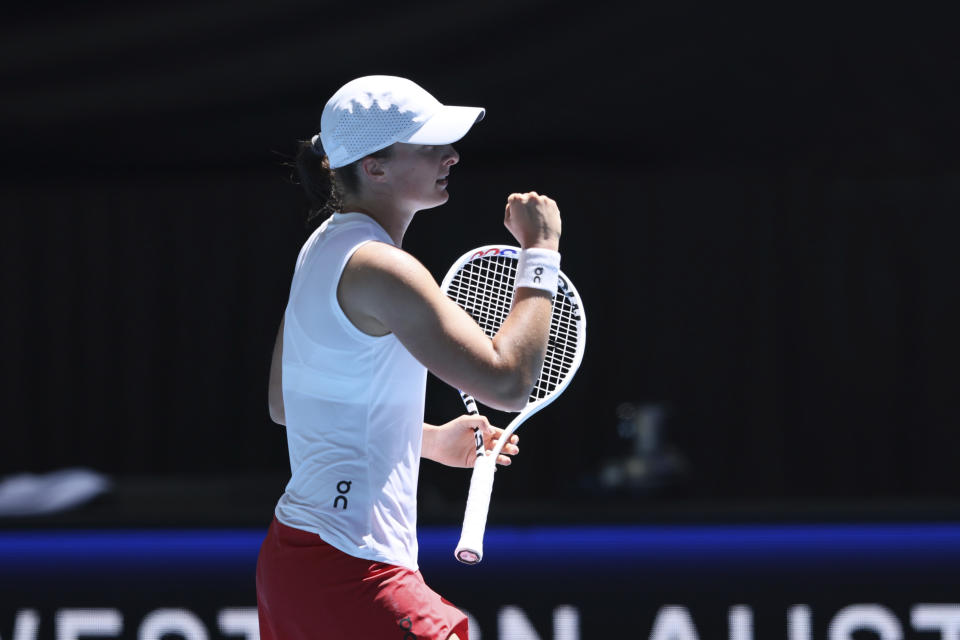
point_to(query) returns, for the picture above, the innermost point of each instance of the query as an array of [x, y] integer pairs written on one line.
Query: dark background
[[760, 213]]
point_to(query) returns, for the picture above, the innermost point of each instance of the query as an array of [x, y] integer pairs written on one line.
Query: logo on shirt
[[343, 488], [407, 625]]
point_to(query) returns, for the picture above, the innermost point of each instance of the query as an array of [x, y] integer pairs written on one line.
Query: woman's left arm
[[275, 386], [452, 443]]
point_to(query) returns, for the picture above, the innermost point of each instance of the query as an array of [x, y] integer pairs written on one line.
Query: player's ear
[[372, 169]]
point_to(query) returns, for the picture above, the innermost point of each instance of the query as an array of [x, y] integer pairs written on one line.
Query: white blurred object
[[653, 463], [29, 494]]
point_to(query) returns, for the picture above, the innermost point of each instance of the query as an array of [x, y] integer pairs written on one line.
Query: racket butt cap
[[468, 556]]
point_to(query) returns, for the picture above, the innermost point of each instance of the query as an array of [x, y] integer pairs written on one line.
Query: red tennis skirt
[[308, 589]]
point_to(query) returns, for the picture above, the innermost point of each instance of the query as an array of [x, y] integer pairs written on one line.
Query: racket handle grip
[[470, 548]]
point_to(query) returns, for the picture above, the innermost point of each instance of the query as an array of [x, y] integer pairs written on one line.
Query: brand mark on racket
[[574, 305], [495, 251]]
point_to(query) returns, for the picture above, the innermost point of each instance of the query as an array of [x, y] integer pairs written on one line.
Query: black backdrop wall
[[760, 211]]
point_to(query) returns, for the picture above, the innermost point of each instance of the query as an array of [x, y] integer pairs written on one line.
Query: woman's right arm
[[384, 289]]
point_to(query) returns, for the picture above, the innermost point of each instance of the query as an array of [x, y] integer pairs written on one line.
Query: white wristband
[[539, 269]]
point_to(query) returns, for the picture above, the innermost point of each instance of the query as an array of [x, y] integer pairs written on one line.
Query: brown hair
[[326, 187]]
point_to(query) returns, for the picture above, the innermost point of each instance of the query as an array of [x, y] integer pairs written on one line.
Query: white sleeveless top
[[354, 411]]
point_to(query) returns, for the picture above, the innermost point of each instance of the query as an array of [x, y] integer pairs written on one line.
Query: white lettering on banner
[[944, 618], [178, 622], [241, 621], [25, 625], [472, 625], [513, 623], [673, 623], [741, 622], [566, 623], [799, 626], [872, 617], [73, 623]]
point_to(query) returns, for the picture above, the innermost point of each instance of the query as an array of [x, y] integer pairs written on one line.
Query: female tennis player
[[364, 322]]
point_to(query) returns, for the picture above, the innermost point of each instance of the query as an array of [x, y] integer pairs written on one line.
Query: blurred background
[[760, 213]]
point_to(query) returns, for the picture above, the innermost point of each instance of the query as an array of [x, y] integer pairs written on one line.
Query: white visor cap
[[371, 113]]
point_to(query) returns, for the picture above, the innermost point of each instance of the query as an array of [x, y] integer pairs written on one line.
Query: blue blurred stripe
[[593, 547]]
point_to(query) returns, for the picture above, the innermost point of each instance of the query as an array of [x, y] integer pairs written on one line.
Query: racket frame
[[469, 549]]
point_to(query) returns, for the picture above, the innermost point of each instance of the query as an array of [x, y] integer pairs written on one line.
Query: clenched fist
[[534, 220]]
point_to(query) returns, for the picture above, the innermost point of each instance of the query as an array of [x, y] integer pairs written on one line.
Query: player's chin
[[441, 198]]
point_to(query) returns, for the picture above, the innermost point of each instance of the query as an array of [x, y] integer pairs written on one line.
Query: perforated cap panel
[[371, 113]]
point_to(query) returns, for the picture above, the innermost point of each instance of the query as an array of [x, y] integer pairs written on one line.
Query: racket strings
[[561, 349], [484, 289]]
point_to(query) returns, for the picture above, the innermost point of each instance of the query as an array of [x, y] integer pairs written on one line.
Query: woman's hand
[[534, 220], [452, 443]]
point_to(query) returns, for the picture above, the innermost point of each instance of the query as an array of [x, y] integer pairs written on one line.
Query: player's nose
[[450, 157]]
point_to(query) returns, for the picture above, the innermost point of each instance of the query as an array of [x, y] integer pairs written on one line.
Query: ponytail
[[326, 187], [319, 183]]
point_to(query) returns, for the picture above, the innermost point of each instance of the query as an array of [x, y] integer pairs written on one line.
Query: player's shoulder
[[383, 256], [384, 262]]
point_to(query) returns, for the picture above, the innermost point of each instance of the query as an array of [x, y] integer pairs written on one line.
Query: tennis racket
[[481, 282]]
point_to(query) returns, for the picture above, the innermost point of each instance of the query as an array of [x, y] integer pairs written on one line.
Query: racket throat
[[470, 404]]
